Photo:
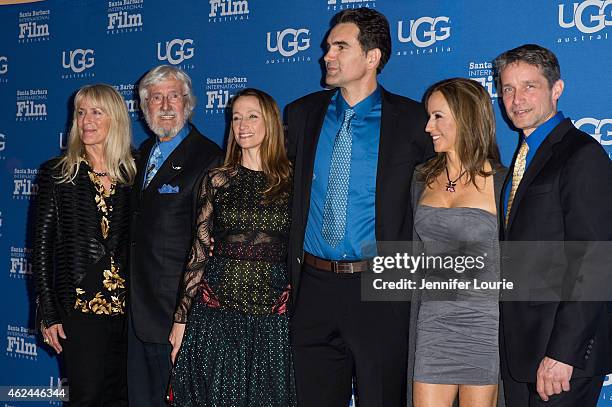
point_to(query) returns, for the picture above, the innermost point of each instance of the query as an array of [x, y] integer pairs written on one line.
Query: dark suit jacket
[[565, 195], [403, 144], [162, 230]]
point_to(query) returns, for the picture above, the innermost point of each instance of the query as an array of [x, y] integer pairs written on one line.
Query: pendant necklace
[[104, 174], [450, 185]]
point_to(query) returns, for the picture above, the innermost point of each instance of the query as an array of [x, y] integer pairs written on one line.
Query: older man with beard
[[164, 201]]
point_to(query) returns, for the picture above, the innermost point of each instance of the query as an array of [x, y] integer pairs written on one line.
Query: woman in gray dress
[[455, 200]]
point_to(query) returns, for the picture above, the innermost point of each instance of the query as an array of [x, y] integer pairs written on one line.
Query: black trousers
[[335, 336], [149, 367], [584, 392], [95, 357]]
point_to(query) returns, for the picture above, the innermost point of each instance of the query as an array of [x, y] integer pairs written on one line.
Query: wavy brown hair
[[274, 162], [471, 107]]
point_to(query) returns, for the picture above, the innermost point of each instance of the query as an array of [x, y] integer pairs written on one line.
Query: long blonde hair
[[274, 162], [118, 144]]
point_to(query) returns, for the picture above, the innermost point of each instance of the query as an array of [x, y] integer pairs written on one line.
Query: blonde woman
[[79, 247], [235, 350]]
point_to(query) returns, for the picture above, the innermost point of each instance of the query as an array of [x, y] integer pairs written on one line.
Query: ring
[[46, 340]]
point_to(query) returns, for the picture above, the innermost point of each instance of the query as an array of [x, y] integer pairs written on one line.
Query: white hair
[[159, 74]]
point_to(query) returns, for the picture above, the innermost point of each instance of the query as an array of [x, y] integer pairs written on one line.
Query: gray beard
[[164, 133]]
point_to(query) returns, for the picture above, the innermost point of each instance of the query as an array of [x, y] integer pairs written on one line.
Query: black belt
[[340, 267]]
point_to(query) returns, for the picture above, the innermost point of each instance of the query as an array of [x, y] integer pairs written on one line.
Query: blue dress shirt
[[534, 141], [361, 209], [167, 147]]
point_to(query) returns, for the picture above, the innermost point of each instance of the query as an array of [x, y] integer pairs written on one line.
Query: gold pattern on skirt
[[99, 304], [112, 279]]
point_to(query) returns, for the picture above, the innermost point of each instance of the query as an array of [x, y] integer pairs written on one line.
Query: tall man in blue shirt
[[559, 189], [354, 148], [164, 204]]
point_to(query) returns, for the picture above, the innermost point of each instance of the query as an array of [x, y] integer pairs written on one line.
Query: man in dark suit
[[354, 148], [164, 203], [559, 189]]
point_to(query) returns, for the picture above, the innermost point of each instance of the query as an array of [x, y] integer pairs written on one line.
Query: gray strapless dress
[[457, 341]]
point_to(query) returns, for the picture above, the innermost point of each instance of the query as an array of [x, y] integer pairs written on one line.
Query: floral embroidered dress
[[236, 350], [102, 291]]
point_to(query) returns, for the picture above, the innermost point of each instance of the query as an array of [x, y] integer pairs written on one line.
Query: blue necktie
[[154, 164], [334, 211]]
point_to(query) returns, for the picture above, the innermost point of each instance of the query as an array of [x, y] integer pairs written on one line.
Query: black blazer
[[565, 195], [68, 239], [162, 229], [403, 145]]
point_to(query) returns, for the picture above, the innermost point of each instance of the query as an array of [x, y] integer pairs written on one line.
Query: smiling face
[[528, 98], [93, 123], [441, 125], [248, 125], [166, 108]]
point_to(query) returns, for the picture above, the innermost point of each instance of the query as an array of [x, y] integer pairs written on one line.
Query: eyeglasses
[[172, 97]]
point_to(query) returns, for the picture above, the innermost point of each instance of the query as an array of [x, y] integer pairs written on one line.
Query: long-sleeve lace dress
[[236, 349]]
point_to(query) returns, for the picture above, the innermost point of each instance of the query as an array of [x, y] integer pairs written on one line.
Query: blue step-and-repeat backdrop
[[49, 49]]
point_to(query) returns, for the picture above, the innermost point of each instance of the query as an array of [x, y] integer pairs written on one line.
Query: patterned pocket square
[[168, 189]]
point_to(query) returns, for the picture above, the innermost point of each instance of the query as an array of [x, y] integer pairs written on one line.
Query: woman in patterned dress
[[82, 220], [234, 348]]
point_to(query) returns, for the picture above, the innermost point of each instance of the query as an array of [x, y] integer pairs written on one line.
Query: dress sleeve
[[44, 244], [199, 251]]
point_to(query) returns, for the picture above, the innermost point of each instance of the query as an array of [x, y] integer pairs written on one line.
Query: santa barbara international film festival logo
[[482, 72], [176, 52], [128, 91], [588, 20], [220, 90], [31, 105], [33, 26], [599, 129], [21, 342], [288, 45], [78, 63], [24, 183], [228, 10], [21, 264], [428, 36], [124, 16], [338, 5]]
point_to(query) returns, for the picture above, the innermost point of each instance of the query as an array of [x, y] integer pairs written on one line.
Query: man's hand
[[51, 336], [553, 377], [176, 339]]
